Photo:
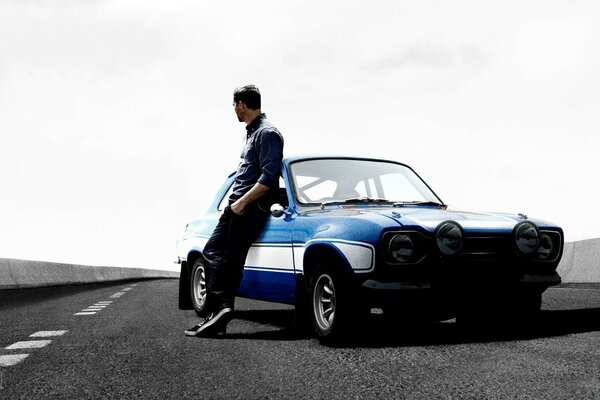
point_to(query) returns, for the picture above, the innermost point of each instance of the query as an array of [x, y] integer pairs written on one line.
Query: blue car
[[349, 235]]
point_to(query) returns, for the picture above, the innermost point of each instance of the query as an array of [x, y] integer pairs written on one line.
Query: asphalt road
[[133, 346]]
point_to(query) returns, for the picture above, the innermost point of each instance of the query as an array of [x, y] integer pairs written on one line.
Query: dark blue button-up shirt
[[261, 157]]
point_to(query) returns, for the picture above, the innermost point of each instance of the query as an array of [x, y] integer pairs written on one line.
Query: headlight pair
[[449, 238], [530, 241]]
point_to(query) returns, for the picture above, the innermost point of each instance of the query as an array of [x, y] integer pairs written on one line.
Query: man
[[254, 187]]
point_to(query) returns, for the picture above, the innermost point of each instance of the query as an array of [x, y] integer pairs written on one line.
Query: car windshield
[[325, 181]]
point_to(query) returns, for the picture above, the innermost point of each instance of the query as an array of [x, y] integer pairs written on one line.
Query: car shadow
[[281, 323], [381, 332]]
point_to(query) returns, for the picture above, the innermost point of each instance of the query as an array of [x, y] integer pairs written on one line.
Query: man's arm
[[257, 191], [270, 153]]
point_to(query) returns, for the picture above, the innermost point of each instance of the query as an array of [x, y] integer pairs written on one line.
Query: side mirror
[[278, 211]]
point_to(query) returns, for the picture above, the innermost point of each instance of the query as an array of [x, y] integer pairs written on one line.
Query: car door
[[269, 267]]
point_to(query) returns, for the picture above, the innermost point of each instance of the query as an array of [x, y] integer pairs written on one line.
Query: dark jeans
[[226, 252]]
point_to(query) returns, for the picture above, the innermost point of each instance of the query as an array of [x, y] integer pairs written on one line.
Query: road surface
[[126, 341]]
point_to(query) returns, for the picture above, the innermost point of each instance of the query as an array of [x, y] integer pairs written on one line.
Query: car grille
[[487, 245]]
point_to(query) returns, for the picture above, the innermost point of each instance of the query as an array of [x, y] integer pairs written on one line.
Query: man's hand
[[238, 207], [257, 191]]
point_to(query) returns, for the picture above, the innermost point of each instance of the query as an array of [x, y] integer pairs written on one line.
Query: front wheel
[[198, 287], [333, 303]]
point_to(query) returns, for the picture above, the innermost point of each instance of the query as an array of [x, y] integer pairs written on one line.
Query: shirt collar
[[252, 126]]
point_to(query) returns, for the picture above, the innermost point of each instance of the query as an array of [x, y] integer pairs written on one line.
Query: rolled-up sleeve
[[270, 153]]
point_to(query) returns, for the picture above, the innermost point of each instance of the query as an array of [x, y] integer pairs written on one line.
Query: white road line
[[12, 359], [85, 313], [99, 308], [100, 305], [135, 284], [28, 344], [117, 295], [126, 289], [107, 302], [48, 333]]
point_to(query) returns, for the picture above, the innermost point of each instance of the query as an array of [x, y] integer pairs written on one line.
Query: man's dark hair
[[249, 95]]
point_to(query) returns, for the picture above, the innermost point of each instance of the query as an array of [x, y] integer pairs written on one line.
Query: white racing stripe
[[29, 344], [271, 257]]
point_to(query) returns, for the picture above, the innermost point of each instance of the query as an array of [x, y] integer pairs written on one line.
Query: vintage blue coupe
[[349, 235]]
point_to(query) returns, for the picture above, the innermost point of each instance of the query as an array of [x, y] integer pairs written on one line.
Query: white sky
[[116, 124]]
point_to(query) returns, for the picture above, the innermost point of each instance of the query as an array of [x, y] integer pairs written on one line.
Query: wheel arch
[[191, 259], [323, 251]]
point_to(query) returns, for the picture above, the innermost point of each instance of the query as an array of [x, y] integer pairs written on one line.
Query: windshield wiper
[[355, 200], [420, 203]]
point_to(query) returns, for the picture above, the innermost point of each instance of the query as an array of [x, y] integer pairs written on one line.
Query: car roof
[[293, 158]]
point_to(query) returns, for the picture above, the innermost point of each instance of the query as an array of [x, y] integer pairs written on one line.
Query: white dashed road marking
[[12, 359], [29, 344], [8, 360], [48, 333]]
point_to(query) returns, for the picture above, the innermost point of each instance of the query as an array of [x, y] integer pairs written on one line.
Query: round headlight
[[545, 248], [401, 248], [449, 237], [527, 237]]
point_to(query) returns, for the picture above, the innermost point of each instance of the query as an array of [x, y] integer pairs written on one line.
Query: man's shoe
[[214, 324]]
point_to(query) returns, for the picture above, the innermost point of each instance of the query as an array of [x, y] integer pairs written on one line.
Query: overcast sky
[[116, 124]]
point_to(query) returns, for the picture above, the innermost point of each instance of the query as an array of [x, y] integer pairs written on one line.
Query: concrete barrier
[[15, 274], [580, 262]]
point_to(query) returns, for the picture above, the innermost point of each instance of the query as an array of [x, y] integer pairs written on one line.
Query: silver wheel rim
[[199, 285], [324, 302]]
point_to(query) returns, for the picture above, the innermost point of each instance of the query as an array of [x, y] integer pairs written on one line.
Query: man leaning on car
[[255, 185]]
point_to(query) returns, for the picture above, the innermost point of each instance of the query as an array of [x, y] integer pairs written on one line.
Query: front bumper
[[525, 280]]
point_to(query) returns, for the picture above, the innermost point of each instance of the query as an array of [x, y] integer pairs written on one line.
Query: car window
[[321, 180], [397, 186], [225, 200]]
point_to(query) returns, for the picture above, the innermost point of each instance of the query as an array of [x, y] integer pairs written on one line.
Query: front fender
[[358, 257]]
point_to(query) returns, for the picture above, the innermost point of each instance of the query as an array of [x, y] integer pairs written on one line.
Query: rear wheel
[[198, 287]]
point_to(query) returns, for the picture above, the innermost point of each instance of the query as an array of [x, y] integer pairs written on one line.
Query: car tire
[[332, 304], [198, 288]]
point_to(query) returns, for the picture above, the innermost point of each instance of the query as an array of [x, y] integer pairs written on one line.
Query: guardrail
[[580, 262], [16, 274]]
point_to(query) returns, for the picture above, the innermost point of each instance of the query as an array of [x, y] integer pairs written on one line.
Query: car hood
[[429, 218]]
